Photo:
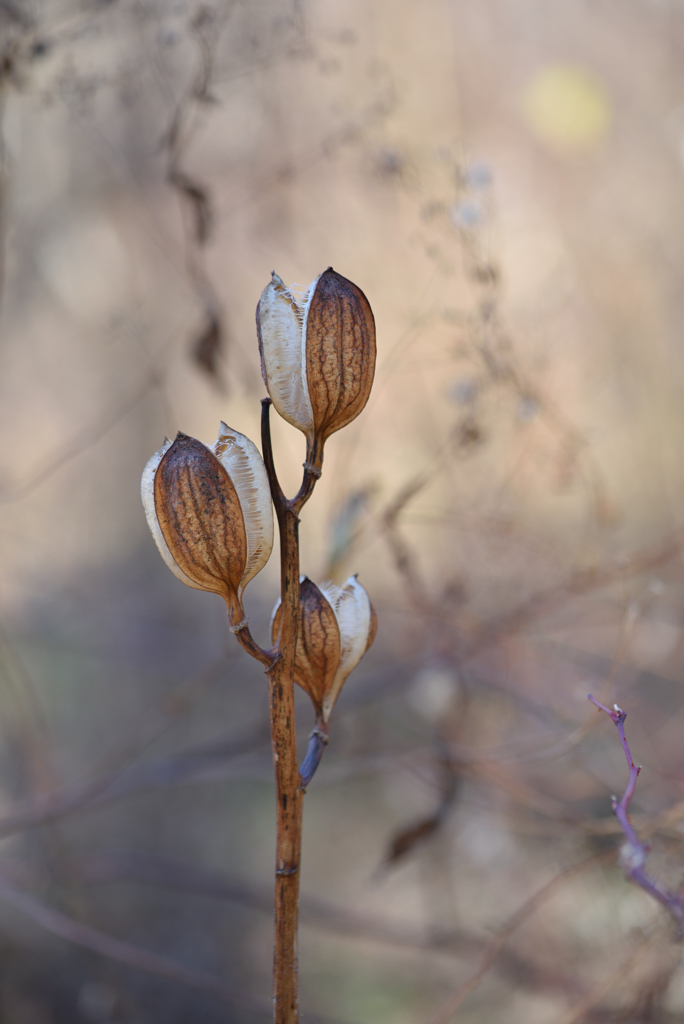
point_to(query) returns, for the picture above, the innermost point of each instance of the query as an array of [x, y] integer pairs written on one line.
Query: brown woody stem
[[284, 742], [288, 790], [312, 473], [246, 640], [309, 479], [279, 500]]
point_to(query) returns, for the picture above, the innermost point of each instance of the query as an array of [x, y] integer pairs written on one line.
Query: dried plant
[[516, 496], [210, 513]]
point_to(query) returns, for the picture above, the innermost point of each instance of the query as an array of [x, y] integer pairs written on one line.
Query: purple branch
[[634, 853]]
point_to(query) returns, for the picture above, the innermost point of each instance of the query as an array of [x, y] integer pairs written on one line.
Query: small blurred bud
[[317, 355], [463, 391], [337, 626], [210, 513], [528, 408], [479, 175], [432, 692], [466, 214]]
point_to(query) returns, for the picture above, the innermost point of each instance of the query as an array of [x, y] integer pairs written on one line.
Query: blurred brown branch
[[11, 491], [496, 944], [106, 945]]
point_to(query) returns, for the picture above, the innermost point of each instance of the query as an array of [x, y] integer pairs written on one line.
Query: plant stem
[[247, 641], [284, 742], [288, 789]]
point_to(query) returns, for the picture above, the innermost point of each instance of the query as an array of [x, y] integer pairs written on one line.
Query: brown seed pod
[[210, 513], [337, 626], [317, 355], [318, 642]]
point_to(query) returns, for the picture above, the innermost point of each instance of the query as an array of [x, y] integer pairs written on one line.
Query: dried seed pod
[[210, 513], [337, 625], [358, 624], [317, 355]]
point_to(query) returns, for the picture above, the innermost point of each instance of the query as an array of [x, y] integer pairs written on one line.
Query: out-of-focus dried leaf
[[197, 198], [468, 434], [15, 11], [203, 18], [409, 837], [207, 348]]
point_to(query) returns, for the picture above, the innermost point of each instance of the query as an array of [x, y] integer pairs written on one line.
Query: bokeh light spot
[[566, 108]]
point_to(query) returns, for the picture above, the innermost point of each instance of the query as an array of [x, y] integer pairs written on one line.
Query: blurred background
[[505, 181]]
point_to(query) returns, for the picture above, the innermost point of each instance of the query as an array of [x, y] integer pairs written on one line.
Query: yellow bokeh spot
[[566, 108]]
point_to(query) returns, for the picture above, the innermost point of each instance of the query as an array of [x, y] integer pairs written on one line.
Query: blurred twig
[[195, 198], [145, 869], [621, 972], [107, 783], [106, 945], [496, 944], [197, 765], [57, 459]]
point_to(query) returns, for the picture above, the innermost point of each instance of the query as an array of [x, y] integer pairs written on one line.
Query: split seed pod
[[210, 513], [337, 625], [317, 355]]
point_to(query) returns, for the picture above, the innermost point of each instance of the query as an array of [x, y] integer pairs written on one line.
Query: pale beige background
[[505, 181]]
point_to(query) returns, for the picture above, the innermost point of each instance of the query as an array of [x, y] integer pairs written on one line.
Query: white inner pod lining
[[283, 319], [352, 609], [242, 461]]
